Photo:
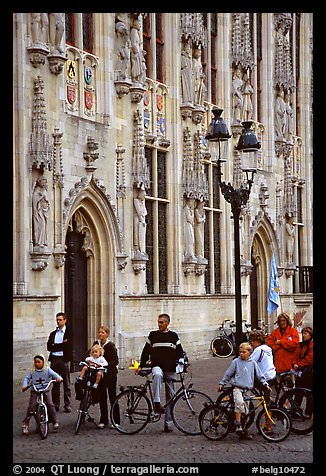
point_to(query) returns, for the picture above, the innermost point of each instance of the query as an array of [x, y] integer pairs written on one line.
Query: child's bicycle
[[217, 420], [86, 394], [41, 410], [136, 406]]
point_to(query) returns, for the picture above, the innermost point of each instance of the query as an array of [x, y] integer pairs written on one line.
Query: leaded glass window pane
[[161, 174], [162, 248], [217, 252], [206, 254], [87, 31], [69, 28], [149, 161], [216, 188], [149, 247]]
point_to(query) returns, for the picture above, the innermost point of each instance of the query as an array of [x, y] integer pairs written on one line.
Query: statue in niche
[[187, 74], [138, 64], [289, 130], [199, 77], [140, 213], [39, 28], [40, 210], [280, 116], [248, 90], [189, 237], [123, 49], [290, 232], [237, 85], [56, 29], [199, 227]]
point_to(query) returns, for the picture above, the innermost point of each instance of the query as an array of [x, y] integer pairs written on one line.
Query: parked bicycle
[[136, 406], [223, 345], [217, 420], [41, 410], [297, 401], [87, 395]]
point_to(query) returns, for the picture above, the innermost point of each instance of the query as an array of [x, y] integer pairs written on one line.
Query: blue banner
[[273, 291]]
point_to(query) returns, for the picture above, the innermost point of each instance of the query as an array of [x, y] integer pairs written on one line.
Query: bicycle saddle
[[145, 372]]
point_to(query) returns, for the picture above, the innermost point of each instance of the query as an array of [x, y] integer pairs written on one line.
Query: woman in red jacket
[[304, 357], [284, 341]]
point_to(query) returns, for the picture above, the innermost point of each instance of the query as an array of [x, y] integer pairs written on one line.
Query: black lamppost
[[248, 145]]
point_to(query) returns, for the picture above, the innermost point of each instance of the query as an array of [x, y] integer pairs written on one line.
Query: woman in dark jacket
[[303, 362], [108, 384]]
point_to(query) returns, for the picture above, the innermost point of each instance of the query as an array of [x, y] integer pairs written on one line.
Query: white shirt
[[263, 355], [58, 339]]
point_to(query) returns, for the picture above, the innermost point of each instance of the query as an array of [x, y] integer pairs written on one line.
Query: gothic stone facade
[[117, 211]]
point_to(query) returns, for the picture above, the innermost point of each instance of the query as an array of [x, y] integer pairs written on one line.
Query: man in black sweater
[[162, 349], [60, 347]]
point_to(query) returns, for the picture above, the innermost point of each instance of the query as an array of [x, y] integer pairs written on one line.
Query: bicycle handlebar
[[39, 390], [92, 366]]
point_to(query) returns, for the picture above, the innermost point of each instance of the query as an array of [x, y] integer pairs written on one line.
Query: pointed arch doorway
[[263, 243], [93, 241]]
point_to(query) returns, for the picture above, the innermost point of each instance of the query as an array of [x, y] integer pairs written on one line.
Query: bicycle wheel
[[298, 402], [225, 399], [222, 347], [134, 411], [214, 422], [42, 420], [278, 429], [83, 407], [186, 408]]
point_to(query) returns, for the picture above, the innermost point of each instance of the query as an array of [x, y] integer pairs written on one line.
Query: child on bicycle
[[95, 359], [241, 375], [40, 375]]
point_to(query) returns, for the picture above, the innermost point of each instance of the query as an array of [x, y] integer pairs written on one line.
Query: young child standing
[[40, 375], [241, 375], [95, 359]]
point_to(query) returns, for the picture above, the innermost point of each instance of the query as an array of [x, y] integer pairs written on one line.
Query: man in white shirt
[[60, 347]]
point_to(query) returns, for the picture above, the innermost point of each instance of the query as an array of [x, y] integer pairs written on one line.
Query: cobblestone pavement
[[93, 445]]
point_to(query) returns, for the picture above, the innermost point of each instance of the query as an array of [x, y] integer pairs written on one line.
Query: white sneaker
[[100, 425]]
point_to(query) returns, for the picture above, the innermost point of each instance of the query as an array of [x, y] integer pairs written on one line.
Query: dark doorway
[[76, 294], [254, 294]]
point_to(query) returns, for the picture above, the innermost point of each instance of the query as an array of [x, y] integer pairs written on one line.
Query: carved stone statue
[[280, 116], [187, 87], [189, 237], [237, 95], [39, 28], [290, 233], [199, 227], [140, 213], [247, 103], [40, 209], [138, 66], [123, 50], [56, 29], [199, 77], [289, 130]]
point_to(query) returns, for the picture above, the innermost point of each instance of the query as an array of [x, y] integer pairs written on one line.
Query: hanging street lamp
[[247, 146]]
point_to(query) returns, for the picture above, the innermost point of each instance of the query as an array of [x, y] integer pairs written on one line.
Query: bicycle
[[295, 400], [87, 395], [136, 406], [216, 421], [223, 345], [41, 411]]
